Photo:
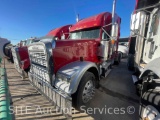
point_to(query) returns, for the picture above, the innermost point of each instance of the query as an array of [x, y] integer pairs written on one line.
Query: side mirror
[[135, 20]]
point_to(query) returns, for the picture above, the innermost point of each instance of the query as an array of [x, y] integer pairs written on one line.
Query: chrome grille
[[16, 59], [38, 60], [40, 72], [38, 57]]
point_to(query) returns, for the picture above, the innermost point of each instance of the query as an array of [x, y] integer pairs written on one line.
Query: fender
[[153, 66], [75, 71]]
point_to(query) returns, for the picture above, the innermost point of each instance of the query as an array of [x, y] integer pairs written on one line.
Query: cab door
[[151, 50], [138, 26]]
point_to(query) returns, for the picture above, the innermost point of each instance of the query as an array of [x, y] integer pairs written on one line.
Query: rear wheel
[[86, 89], [117, 62], [149, 105], [121, 55]]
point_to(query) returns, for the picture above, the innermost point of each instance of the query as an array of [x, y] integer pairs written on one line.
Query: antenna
[[77, 18]]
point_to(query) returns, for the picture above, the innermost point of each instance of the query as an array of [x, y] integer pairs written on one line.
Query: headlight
[[62, 77]]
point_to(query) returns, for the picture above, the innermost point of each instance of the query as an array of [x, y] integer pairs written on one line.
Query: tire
[[117, 62], [80, 97], [130, 62], [138, 86], [150, 101], [121, 54]]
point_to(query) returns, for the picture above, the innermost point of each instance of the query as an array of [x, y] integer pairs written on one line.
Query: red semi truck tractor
[[20, 53], [21, 58], [8, 50], [74, 66]]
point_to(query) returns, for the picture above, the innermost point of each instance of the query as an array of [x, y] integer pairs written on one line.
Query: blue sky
[[21, 19]]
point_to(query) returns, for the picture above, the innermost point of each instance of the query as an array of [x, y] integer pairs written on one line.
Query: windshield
[[28, 42], [48, 38], [23, 43], [85, 34], [155, 23], [123, 43]]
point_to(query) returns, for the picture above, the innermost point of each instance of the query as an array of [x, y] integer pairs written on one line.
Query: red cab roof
[[58, 32], [94, 21]]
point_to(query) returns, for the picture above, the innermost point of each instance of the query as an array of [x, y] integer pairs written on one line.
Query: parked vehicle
[[74, 66], [8, 52], [20, 52], [21, 58], [144, 56], [60, 33], [123, 47], [4, 45], [6, 49]]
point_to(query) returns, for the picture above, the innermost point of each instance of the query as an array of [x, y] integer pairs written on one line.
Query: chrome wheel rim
[[88, 91], [150, 113]]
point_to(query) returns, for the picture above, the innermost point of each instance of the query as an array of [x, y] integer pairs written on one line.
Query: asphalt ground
[[117, 96]]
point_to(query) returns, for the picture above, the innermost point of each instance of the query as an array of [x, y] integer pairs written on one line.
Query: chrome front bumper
[[59, 99]]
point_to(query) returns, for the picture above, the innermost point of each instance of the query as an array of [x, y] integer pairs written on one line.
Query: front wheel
[[117, 62], [149, 105], [86, 89]]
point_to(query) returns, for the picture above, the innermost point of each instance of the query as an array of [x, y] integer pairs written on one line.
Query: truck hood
[[23, 52], [67, 51]]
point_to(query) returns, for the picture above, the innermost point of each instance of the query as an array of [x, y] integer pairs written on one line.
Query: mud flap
[[59, 99], [134, 78]]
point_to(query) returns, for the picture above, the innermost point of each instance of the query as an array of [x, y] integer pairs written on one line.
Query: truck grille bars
[[39, 64], [16, 59], [38, 57], [39, 77]]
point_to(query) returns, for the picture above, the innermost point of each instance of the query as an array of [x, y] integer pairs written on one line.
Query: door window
[[155, 23]]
